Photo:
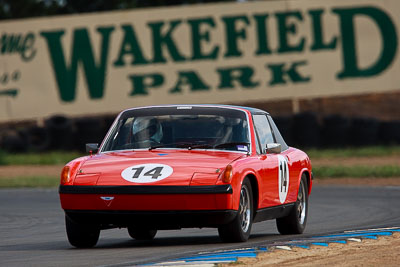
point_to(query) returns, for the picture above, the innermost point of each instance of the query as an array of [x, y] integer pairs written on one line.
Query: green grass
[[2, 157], [357, 171], [62, 157], [48, 158], [29, 181], [373, 151], [319, 173]]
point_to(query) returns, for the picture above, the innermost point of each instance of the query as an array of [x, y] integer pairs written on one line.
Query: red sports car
[[178, 166]]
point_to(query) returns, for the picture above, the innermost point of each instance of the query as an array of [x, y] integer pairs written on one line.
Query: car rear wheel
[[141, 234], [239, 229], [295, 222], [81, 236]]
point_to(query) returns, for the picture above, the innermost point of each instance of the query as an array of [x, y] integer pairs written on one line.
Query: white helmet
[[147, 129]]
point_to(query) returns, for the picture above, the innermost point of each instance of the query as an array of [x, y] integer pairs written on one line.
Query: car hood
[[156, 167]]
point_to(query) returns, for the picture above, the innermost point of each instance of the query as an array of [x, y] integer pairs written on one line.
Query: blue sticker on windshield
[[242, 147]]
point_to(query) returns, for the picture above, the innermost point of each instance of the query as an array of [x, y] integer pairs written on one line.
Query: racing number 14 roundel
[[283, 178], [147, 173]]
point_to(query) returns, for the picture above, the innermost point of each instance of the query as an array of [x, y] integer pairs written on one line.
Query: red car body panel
[[183, 162], [191, 168], [105, 169]]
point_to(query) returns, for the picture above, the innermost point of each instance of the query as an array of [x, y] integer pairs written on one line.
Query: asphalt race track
[[32, 228]]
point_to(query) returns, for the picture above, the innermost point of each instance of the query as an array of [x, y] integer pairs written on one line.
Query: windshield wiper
[[182, 145], [231, 144], [167, 145], [200, 146]]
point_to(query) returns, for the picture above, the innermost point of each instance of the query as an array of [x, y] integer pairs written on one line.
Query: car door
[[269, 173], [286, 175]]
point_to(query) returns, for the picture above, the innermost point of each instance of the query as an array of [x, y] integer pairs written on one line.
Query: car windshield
[[185, 129]]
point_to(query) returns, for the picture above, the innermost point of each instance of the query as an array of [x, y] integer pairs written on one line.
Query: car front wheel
[[141, 234], [295, 222], [81, 236], [239, 229]]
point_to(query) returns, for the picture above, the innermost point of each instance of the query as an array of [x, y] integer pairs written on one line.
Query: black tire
[[239, 229], [60, 131], [88, 130], [364, 131], [335, 131], [14, 142], [285, 126], [141, 234], [81, 236], [296, 221], [38, 139], [307, 130], [389, 132]]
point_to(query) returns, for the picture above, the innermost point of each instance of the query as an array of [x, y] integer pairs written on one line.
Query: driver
[[146, 131]]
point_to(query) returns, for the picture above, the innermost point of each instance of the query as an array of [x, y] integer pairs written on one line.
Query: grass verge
[[48, 158], [356, 171], [62, 157], [320, 172], [29, 181], [373, 151]]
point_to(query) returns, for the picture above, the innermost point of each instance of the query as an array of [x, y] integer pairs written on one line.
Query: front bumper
[[161, 207]]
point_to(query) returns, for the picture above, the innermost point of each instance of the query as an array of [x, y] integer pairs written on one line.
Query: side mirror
[[273, 148], [92, 147]]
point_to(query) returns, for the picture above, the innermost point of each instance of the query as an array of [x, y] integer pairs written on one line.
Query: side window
[[277, 134], [263, 130]]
